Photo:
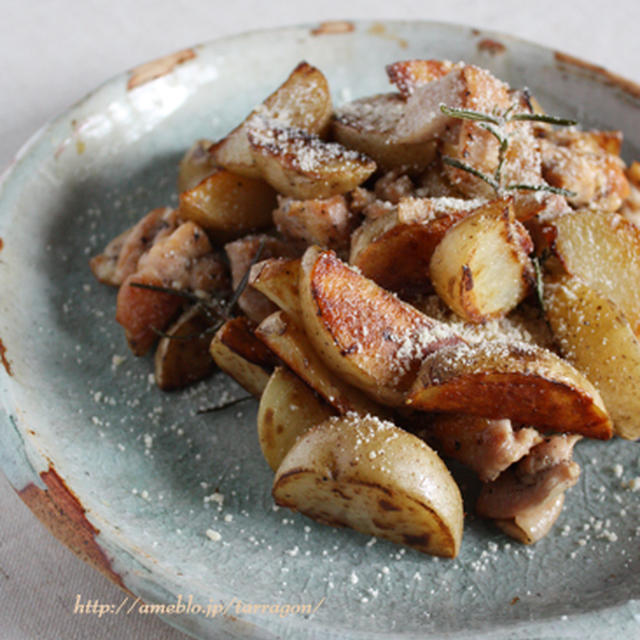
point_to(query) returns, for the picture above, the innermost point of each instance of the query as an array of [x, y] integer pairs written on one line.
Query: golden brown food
[[277, 279], [595, 336], [524, 383], [238, 352], [603, 250], [395, 249], [303, 166], [228, 205], [302, 101], [372, 476], [364, 334], [481, 268], [290, 343]]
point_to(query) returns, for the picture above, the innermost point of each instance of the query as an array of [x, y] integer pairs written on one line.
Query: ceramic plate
[[132, 478]]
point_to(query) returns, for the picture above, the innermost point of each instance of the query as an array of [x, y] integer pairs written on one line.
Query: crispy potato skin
[[595, 336], [228, 205], [277, 279], [395, 250], [526, 384], [288, 408], [182, 356], [238, 352], [282, 336], [363, 333], [376, 478]]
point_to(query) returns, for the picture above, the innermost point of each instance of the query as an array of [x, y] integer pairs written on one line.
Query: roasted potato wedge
[[196, 164], [365, 334], [228, 205], [182, 355], [603, 250], [238, 352], [395, 249], [288, 408], [595, 336], [368, 125], [303, 166], [372, 476], [481, 269], [302, 101], [290, 343], [277, 279], [524, 383]]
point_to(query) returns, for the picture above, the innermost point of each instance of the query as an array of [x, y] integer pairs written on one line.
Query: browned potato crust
[[526, 384]]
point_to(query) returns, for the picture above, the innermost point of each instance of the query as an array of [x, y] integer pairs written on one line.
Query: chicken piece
[[326, 222], [103, 266], [580, 165], [533, 524], [120, 257], [408, 75], [241, 254], [393, 186], [486, 446], [184, 261], [544, 474]]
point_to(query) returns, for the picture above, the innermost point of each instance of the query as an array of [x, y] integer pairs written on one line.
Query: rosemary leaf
[[452, 162], [542, 187], [224, 405], [543, 117], [468, 114]]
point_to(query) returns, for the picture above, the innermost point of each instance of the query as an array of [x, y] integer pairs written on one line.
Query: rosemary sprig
[[542, 117], [470, 114], [469, 169], [224, 405], [489, 122], [542, 187]]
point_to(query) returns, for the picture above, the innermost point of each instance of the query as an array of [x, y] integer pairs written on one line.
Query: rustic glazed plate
[[132, 478]]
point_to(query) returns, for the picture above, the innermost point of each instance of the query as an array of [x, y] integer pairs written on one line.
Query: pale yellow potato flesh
[[290, 343], [480, 268], [288, 408], [595, 336], [302, 101], [369, 475], [522, 382], [277, 278], [363, 333], [603, 250], [228, 205]]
